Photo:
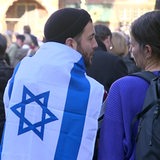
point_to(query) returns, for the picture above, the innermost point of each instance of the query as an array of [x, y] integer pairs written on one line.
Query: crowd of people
[[72, 98], [20, 45]]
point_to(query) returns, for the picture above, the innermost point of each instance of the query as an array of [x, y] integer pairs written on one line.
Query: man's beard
[[87, 61]]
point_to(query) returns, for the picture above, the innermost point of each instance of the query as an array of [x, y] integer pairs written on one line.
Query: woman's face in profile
[[138, 53]]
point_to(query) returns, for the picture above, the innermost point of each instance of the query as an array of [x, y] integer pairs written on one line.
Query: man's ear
[[71, 43], [148, 51]]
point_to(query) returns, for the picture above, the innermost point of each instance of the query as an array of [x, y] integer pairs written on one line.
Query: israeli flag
[[52, 107]]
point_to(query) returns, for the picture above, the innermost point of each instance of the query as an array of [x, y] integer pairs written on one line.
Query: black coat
[[130, 63], [5, 75], [106, 67]]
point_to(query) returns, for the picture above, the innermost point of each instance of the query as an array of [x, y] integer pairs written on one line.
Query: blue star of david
[[46, 117]]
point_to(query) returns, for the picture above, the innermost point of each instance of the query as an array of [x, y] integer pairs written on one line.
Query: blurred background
[[117, 14]]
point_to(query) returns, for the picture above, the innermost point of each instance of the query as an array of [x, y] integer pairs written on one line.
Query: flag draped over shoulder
[[52, 107]]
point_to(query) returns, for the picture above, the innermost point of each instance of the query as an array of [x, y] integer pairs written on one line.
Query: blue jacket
[[125, 100]]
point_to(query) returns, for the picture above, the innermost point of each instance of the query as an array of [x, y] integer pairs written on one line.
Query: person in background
[[50, 101], [31, 42], [28, 36], [5, 74], [121, 47], [9, 36], [119, 42], [14, 50], [127, 94], [105, 67], [34, 46]]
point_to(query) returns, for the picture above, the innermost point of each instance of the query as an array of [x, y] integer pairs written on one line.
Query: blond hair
[[119, 42]]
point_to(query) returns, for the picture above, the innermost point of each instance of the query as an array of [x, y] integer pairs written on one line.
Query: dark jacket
[[106, 67], [5, 74], [130, 63]]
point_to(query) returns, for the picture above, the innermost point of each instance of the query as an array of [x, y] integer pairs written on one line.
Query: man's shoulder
[[12, 47]]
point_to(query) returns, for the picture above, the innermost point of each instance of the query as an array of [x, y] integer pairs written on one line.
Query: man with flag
[[51, 105]]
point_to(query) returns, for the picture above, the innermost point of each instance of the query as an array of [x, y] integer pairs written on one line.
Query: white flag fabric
[[52, 107]]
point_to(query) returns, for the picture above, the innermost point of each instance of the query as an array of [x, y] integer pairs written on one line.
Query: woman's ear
[[148, 51], [71, 43]]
